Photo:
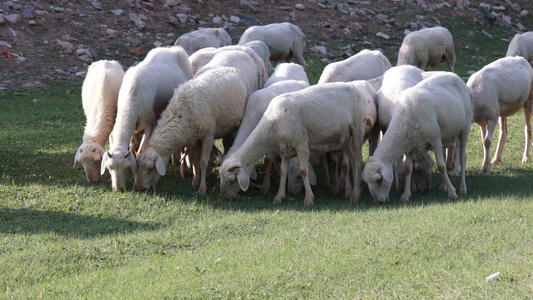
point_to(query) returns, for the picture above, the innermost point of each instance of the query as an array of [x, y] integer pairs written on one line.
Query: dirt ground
[[41, 55]]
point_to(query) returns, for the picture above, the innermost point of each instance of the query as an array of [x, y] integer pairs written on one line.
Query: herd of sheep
[[174, 104]]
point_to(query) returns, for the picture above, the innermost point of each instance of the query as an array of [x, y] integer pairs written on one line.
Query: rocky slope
[[46, 41]]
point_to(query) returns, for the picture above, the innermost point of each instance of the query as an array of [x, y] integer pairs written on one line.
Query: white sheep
[[434, 113], [289, 126], [201, 57], [145, 92], [522, 45], [248, 62], [500, 89], [284, 40], [365, 65], [295, 182], [427, 48], [287, 77], [206, 108], [99, 96], [203, 38]]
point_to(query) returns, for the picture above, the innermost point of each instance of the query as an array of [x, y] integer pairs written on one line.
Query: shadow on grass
[[29, 221]]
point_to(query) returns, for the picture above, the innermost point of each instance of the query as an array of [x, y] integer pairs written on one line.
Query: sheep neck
[[394, 145], [258, 144]]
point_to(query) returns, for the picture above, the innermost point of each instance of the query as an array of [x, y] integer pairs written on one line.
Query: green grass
[[61, 238]]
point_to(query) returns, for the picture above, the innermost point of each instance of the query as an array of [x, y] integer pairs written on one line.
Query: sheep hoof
[[348, 194], [335, 190], [277, 200], [309, 200], [486, 168], [264, 189], [462, 190], [405, 198], [525, 159], [452, 194], [202, 190], [354, 199]]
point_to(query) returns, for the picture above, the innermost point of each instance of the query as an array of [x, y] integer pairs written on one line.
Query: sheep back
[[203, 38], [522, 45], [365, 65]]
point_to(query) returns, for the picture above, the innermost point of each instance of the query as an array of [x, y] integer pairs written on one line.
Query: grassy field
[[61, 238]]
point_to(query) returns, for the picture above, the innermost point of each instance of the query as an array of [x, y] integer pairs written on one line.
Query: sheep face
[[233, 178], [118, 164], [379, 177], [421, 176], [90, 156], [150, 167]]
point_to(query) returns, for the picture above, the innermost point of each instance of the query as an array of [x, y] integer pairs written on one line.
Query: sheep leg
[[461, 158], [355, 154], [193, 156], [441, 166], [283, 179], [346, 176], [501, 142], [396, 172], [324, 162], [207, 149], [303, 158], [487, 131], [267, 162], [528, 110], [408, 166]]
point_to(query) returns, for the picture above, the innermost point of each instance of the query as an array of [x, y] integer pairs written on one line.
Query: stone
[[299, 6], [29, 12], [13, 18], [137, 20], [234, 19], [524, 13], [5, 44], [217, 20], [516, 7], [383, 35], [182, 18], [97, 5], [319, 49], [2, 19], [117, 12], [171, 3], [32, 23], [147, 5], [520, 26]]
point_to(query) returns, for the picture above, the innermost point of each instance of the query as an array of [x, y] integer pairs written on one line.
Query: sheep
[[287, 77], [206, 108], [203, 38], [500, 89], [289, 127], [248, 62], [284, 40], [295, 182], [99, 95], [427, 48], [434, 113], [144, 94], [522, 45], [201, 57], [365, 65]]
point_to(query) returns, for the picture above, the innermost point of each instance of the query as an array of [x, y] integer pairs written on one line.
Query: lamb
[[201, 57], [289, 127], [522, 45], [206, 108], [365, 65], [427, 48], [434, 113], [99, 96], [203, 38], [500, 89], [295, 182], [287, 77], [144, 94], [284, 40]]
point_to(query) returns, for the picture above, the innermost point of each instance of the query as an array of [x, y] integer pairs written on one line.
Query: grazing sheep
[[201, 57], [434, 113], [295, 182], [284, 40], [427, 48], [99, 95], [203, 38], [287, 77], [500, 89], [248, 62], [365, 65], [145, 92], [289, 126], [206, 108], [522, 45]]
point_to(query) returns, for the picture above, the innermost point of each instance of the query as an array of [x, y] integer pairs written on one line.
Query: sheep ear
[[160, 166], [386, 172], [370, 122], [244, 179], [254, 174], [131, 159], [312, 175], [77, 157], [103, 164]]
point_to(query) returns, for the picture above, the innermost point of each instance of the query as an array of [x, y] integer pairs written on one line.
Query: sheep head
[[90, 157], [379, 178], [233, 178], [421, 175], [118, 163], [150, 167]]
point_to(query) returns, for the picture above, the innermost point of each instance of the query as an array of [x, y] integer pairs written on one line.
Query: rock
[[470, 34], [137, 20], [117, 12], [29, 12], [97, 5], [2, 19], [171, 36], [524, 13], [58, 9], [5, 44], [498, 8], [81, 74], [520, 26], [173, 21], [157, 44], [413, 25], [486, 33], [112, 32], [171, 3], [138, 51], [217, 20], [299, 6], [13, 18], [485, 5], [506, 20], [21, 59], [319, 49], [32, 23], [516, 7], [383, 35], [147, 5], [182, 18], [382, 17], [69, 11], [234, 19], [67, 47]]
